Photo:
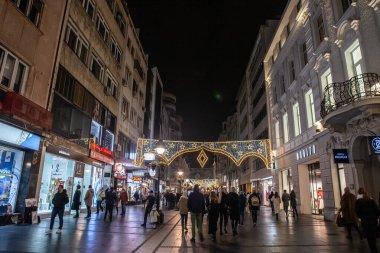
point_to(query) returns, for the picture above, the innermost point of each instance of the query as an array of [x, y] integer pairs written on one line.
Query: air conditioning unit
[[107, 91], [124, 82]]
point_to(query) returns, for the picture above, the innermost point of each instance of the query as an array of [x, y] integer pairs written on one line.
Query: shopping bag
[[339, 220]]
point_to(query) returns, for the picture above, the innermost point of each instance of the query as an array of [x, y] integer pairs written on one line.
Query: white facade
[[316, 44]]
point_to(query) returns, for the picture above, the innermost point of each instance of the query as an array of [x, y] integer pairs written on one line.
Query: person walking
[[123, 201], [149, 206], [271, 195], [276, 203], [196, 205], [59, 201], [348, 204], [293, 202], [223, 211], [285, 199], [88, 200], [137, 196], [117, 200], [233, 204], [100, 196], [254, 202], [368, 212], [242, 204], [76, 201], [183, 210], [213, 214], [110, 202]]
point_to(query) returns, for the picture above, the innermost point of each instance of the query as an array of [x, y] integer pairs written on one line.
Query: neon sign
[[101, 150]]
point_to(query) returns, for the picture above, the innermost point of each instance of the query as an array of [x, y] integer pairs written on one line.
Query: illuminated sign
[[137, 178], [19, 137], [341, 156], [101, 157], [120, 172], [374, 142], [101, 150], [149, 157]]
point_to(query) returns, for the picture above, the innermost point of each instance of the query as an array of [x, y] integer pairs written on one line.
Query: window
[[102, 27], [326, 79], [285, 126], [135, 88], [309, 100], [277, 133], [89, 7], [304, 53], [133, 116], [297, 119], [274, 95], [292, 71], [111, 86], [139, 123], [115, 49], [260, 116], [31, 8], [125, 108], [76, 43], [282, 85], [355, 66], [120, 20], [320, 28], [345, 4], [97, 68], [259, 95], [12, 71]]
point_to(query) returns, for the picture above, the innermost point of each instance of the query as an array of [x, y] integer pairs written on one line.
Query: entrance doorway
[[316, 192]]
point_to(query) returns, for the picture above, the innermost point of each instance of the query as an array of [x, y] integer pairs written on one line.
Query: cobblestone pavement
[[306, 234]]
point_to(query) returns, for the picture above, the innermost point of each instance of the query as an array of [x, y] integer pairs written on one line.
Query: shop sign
[[101, 157], [79, 170], [374, 142], [100, 149], [16, 105], [341, 156], [137, 178], [138, 173], [19, 137], [7, 162], [120, 172]]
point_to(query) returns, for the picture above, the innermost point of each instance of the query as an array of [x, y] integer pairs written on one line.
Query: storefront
[[16, 157], [262, 182]]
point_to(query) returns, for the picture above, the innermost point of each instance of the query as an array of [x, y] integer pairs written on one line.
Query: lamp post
[[160, 150], [180, 173]]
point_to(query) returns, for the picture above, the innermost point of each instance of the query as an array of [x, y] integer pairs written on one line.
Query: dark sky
[[201, 49]]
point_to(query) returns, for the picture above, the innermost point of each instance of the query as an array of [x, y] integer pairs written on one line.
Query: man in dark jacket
[[271, 195], [59, 201], [196, 205], [110, 202], [242, 204], [223, 213], [254, 202], [150, 200], [76, 201], [368, 211], [233, 204]]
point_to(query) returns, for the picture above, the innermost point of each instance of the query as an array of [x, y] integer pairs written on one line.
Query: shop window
[[31, 8], [89, 7], [12, 71], [296, 119], [102, 27], [76, 42], [310, 111], [316, 190], [97, 67]]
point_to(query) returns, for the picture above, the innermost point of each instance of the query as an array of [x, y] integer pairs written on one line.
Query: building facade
[[29, 38], [319, 43]]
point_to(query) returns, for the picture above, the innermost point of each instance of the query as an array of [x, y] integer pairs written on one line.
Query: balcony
[[345, 100]]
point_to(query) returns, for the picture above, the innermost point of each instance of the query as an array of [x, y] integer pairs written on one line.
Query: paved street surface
[[124, 234]]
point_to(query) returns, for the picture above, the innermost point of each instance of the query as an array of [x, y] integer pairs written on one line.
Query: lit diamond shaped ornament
[[202, 158]]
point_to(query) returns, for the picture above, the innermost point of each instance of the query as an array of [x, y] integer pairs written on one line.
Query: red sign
[[137, 179], [100, 149], [17, 105], [101, 157]]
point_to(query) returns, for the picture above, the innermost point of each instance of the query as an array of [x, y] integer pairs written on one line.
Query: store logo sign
[[100, 149], [341, 156], [374, 142]]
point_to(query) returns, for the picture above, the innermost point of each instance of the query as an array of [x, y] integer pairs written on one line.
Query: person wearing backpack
[[254, 202]]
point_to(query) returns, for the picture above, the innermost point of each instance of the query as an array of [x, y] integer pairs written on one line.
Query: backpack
[[255, 201]]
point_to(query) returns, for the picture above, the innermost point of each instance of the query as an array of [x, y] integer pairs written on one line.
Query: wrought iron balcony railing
[[337, 95]]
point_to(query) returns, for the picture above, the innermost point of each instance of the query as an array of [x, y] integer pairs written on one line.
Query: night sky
[[201, 49]]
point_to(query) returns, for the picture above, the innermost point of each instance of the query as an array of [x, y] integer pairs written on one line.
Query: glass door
[[316, 192]]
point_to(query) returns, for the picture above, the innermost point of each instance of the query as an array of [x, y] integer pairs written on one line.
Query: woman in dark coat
[[368, 212], [233, 204], [213, 215], [76, 201], [347, 204]]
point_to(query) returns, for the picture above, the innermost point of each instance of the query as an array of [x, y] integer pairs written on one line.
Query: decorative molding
[[339, 43], [375, 4], [355, 24]]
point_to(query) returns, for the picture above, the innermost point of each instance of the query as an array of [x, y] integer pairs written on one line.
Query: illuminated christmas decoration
[[237, 151], [202, 158]]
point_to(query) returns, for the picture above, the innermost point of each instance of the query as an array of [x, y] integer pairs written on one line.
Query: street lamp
[[160, 150], [160, 147], [180, 173]]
